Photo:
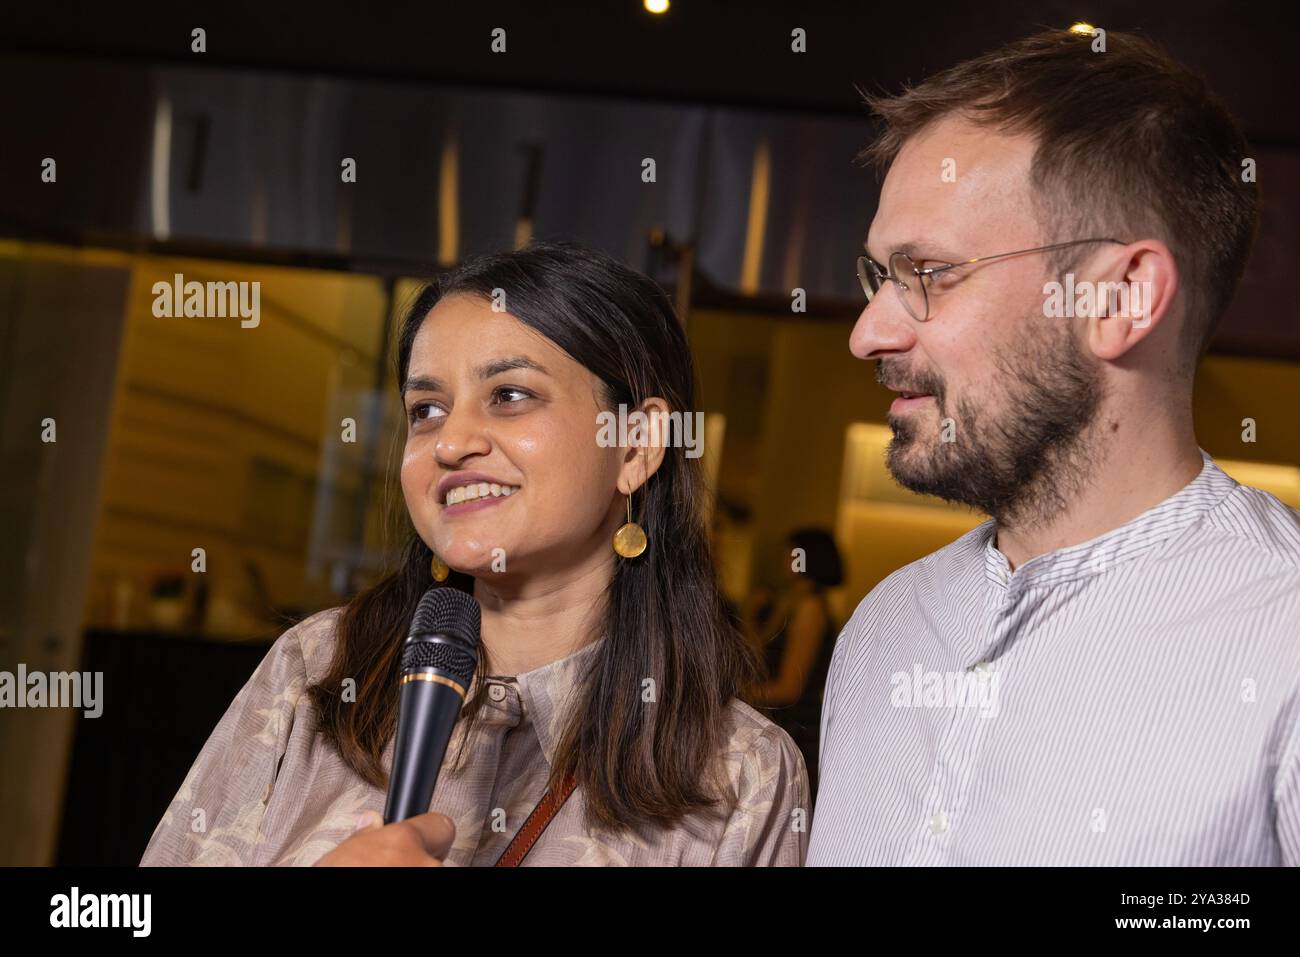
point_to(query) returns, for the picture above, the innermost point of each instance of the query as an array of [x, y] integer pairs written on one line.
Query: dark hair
[[664, 616], [822, 557], [1129, 142]]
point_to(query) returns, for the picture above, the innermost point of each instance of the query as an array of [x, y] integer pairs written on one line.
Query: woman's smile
[[476, 496], [464, 491]]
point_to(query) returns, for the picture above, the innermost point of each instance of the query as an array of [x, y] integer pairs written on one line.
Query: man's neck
[[1137, 467], [532, 623]]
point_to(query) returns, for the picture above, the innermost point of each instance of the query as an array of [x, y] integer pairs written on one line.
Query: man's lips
[[908, 401]]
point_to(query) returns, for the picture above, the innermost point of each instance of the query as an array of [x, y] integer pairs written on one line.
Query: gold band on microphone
[[426, 676]]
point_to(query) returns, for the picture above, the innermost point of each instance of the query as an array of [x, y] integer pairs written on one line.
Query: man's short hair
[[1130, 144]]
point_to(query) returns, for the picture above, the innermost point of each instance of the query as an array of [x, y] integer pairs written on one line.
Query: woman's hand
[[420, 841]]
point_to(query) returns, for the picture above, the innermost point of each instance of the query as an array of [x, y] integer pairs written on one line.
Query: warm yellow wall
[[203, 406], [817, 389], [1229, 390]]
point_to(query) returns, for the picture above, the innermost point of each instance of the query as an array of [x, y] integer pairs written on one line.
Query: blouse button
[[496, 692]]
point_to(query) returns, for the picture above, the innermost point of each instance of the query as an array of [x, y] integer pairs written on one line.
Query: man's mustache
[[897, 379]]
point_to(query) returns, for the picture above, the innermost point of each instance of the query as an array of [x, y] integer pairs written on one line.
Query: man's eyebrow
[[919, 249], [498, 366]]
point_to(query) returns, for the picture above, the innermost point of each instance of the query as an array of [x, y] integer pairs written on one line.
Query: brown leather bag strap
[[532, 828]]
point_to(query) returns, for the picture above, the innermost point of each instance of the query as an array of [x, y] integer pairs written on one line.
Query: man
[[1108, 671]]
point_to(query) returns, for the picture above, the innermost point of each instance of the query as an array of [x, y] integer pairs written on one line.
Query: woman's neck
[[530, 623]]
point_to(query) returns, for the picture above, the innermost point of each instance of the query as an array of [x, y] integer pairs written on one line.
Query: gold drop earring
[[630, 540], [438, 568]]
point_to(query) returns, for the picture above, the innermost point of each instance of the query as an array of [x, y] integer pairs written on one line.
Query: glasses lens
[[869, 275], [910, 287]]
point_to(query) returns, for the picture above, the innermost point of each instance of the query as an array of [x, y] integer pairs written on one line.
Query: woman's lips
[[902, 404], [475, 504]]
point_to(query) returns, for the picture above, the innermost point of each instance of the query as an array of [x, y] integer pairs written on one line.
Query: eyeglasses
[[912, 282]]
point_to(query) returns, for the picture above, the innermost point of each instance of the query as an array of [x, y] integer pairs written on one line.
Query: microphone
[[438, 662]]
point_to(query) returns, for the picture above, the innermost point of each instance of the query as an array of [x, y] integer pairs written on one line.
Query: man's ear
[[1133, 295], [648, 437]]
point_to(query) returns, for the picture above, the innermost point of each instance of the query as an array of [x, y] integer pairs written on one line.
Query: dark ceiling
[[722, 51]]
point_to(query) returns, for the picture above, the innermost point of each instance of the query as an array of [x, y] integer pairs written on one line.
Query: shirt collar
[[1130, 540], [546, 693]]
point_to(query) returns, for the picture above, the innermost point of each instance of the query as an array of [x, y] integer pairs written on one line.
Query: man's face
[[1004, 395]]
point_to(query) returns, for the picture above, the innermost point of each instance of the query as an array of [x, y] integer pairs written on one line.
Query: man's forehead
[[970, 147], [958, 183]]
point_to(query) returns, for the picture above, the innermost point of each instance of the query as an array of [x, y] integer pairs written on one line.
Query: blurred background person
[[796, 630]]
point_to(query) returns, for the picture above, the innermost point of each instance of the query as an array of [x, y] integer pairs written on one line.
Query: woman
[[797, 633], [621, 670]]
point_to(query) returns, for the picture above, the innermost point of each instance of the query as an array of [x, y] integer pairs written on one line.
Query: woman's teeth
[[467, 493]]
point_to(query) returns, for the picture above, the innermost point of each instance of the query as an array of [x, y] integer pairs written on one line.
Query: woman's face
[[502, 472]]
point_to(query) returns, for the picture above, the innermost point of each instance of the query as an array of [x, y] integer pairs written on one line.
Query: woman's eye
[[424, 410], [508, 395]]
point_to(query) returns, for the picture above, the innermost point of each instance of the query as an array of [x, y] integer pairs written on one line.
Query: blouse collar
[[546, 693]]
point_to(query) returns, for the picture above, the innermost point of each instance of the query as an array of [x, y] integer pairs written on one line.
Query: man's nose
[[883, 328]]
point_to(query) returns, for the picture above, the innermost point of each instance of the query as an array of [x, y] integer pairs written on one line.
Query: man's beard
[[1021, 465]]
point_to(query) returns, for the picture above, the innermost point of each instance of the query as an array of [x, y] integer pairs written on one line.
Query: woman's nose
[[460, 436]]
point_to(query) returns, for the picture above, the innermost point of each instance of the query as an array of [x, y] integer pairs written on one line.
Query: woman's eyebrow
[[498, 366], [424, 383], [421, 383]]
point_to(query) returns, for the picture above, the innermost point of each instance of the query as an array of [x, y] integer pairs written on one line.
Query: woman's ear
[[649, 433]]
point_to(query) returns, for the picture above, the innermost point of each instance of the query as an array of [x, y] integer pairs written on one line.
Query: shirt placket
[[480, 775], [962, 741], [513, 766]]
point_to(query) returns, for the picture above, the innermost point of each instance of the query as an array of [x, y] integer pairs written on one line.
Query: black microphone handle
[[425, 718]]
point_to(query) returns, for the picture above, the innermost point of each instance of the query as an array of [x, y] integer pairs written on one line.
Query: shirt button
[[982, 670], [496, 692], [939, 823]]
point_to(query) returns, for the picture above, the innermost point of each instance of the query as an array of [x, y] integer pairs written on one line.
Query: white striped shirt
[[1131, 700]]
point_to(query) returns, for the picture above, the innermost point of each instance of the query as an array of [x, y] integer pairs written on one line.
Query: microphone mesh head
[[451, 659], [450, 614]]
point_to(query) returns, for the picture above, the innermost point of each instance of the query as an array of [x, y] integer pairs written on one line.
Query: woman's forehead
[[465, 334]]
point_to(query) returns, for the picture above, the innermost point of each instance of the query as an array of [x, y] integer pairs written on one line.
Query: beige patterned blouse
[[267, 789]]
